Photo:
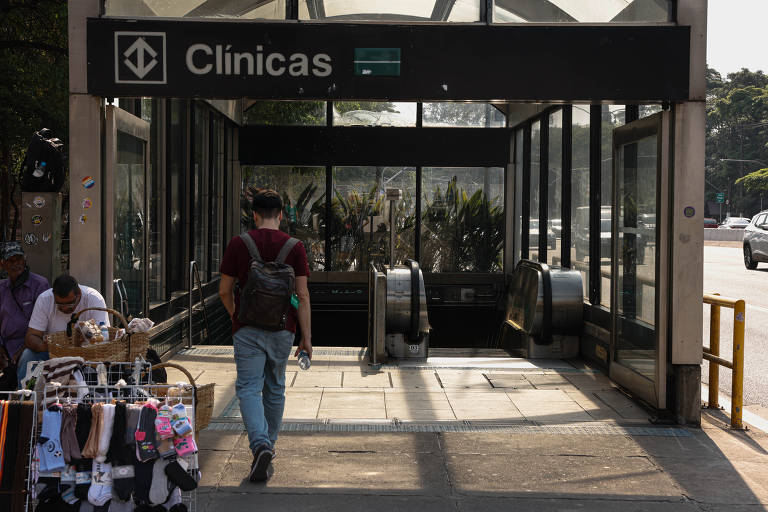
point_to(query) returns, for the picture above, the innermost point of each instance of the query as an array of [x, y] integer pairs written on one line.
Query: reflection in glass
[[374, 113], [303, 192], [612, 117], [580, 193], [462, 219], [245, 9], [200, 192], [359, 224], [286, 113], [467, 115], [518, 194], [533, 227], [582, 11], [149, 113], [390, 10], [177, 223], [130, 218], [555, 188], [636, 182], [216, 176]]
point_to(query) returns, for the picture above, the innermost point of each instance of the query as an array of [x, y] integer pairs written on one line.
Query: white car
[[735, 223], [756, 240]]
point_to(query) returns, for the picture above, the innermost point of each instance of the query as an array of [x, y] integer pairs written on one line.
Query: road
[[724, 273]]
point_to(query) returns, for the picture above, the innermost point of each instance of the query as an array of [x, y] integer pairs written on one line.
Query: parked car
[[580, 234], [710, 223], [756, 240], [533, 236], [735, 223]]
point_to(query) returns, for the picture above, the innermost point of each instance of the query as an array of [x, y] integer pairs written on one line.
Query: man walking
[[18, 294], [261, 354]]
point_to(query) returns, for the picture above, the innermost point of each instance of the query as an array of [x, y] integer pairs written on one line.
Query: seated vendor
[[53, 310], [18, 294]]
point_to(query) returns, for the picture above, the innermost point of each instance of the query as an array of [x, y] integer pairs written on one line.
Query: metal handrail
[[194, 272], [122, 295], [712, 354]]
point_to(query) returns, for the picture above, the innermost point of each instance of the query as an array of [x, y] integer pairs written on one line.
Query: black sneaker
[[260, 467]]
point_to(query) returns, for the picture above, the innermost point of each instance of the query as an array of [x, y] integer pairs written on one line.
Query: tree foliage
[[737, 129], [34, 87]]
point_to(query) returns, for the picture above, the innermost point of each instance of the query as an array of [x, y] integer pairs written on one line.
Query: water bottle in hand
[[304, 362]]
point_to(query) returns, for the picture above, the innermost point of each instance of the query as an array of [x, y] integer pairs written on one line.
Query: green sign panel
[[721, 197], [377, 61]]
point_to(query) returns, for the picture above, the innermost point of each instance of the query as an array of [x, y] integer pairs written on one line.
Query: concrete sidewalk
[[529, 448]]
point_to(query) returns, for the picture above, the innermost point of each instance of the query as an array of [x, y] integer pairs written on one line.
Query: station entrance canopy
[[333, 61]]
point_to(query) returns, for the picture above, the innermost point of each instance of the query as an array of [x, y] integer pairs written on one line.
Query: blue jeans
[[27, 357], [261, 357]]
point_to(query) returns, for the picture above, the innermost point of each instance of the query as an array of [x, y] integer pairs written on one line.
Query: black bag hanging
[[44, 163], [9, 379]]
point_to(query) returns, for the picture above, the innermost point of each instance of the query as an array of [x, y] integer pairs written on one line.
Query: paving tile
[[509, 412], [593, 381], [421, 415], [426, 380], [312, 379], [366, 380], [463, 379], [352, 400], [538, 395], [418, 404], [510, 383], [625, 407], [352, 414]]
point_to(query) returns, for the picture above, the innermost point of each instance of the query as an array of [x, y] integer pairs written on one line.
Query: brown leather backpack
[[266, 296]]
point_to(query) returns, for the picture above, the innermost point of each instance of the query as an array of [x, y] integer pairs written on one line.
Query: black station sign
[[290, 60]]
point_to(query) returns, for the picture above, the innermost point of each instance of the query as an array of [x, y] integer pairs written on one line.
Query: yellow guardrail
[[712, 354]]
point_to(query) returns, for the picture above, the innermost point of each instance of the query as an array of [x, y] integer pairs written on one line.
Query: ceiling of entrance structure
[[505, 11]]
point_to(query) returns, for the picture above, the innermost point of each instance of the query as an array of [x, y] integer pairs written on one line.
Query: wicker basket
[[203, 396], [126, 348]]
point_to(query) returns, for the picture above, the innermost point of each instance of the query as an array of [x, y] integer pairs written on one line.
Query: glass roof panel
[[264, 9], [583, 11], [390, 10]]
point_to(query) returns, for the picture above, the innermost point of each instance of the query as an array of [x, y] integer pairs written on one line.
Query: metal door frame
[[653, 392], [118, 120]]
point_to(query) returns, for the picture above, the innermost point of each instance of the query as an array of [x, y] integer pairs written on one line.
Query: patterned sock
[[51, 455], [146, 444], [101, 484]]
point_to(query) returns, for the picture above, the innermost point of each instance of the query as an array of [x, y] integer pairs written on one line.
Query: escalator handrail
[[546, 282], [415, 299]]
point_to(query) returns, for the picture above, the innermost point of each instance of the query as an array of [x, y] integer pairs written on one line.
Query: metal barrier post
[[737, 390], [714, 347]]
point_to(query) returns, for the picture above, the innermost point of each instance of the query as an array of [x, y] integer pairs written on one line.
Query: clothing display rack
[[16, 457], [110, 388]]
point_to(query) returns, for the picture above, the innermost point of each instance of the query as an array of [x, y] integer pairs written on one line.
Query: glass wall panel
[[216, 210], [582, 11], [518, 194], [130, 219], [150, 113], [462, 219], [648, 110], [303, 192], [373, 113], [286, 113], [177, 240], [200, 209], [271, 9], [472, 115], [636, 181], [533, 227], [390, 10], [555, 188], [612, 116], [359, 225], [580, 193]]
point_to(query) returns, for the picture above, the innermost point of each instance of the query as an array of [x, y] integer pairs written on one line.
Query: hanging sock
[[68, 485], [159, 491], [101, 484], [51, 455], [69, 444], [105, 433], [146, 444]]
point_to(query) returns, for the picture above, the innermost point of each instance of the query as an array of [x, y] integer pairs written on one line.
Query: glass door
[[638, 359], [126, 221]]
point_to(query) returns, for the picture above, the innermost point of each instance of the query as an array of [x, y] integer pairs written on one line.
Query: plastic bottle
[[304, 361], [104, 331]]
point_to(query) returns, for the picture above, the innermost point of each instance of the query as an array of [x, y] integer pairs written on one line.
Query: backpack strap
[[286, 250], [251, 245]]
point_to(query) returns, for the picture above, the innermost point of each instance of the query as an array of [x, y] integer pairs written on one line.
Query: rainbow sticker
[[88, 182]]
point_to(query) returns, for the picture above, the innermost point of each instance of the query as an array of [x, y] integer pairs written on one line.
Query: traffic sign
[[721, 197]]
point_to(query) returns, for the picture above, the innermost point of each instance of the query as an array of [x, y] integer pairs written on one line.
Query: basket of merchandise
[[83, 338], [203, 396]]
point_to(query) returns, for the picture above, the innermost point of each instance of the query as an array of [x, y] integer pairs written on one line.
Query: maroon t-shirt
[[236, 263]]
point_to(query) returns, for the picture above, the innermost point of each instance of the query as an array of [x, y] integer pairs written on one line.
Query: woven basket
[[203, 396], [127, 348]]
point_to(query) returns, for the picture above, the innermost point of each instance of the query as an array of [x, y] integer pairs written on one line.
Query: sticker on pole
[[689, 211], [740, 317], [88, 182], [38, 201]]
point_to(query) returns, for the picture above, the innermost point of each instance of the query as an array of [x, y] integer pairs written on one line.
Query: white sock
[[175, 499], [107, 423], [101, 484], [158, 492]]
